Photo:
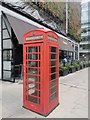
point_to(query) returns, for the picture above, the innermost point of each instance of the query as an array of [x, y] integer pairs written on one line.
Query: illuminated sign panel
[[52, 38], [34, 37]]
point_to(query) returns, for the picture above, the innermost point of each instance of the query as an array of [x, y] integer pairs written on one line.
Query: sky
[[85, 1]]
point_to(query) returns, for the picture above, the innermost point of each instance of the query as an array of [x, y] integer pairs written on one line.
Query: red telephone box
[[41, 71]]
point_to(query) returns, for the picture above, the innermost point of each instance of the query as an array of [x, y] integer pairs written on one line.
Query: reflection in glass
[[33, 56], [33, 99], [31, 85], [53, 83], [33, 71], [53, 90], [33, 78], [53, 49], [53, 76], [53, 56], [7, 55], [34, 92], [33, 64], [52, 97], [33, 49], [53, 63], [53, 69], [34, 85]]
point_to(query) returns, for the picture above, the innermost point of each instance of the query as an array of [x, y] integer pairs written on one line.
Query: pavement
[[73, 98]]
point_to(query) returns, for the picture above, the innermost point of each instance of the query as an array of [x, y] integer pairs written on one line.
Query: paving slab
[[73, 98]]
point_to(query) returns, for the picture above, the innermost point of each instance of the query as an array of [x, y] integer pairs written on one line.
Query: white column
[[78, 51], [74, 52], [0, 46]]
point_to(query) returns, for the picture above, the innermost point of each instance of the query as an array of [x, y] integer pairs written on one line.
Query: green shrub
[[71, 66], [62, 68], [76, 65]]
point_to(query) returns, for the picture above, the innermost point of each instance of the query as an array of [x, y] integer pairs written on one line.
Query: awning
[[65, 45], [21, 27]]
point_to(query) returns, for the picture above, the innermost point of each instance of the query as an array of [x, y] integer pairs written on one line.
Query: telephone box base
[[41, 113]]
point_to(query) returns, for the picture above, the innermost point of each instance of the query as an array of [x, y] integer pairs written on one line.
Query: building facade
[[85, 34], [14, 24]]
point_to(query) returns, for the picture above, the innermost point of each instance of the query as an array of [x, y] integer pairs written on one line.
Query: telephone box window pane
[[53, 70], [31, 85], [33, 56], [33, 99], [33, 78], [53, 76], [52, 90], [53, 63], [53, 49], [34, 85], [53, 83], [53, 56], [33, 71], [52, 97], [34, 92], [32, 49], [33, 64]]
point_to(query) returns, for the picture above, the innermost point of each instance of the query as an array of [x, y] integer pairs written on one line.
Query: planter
[[81, 67], [63, 73], [63, 70], [77, 68], [71, 70], [89, 65], [84, 65]]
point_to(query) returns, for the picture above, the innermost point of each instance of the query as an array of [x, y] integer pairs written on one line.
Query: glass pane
[[52, 90], [33, 56], [7, 65], [34, 92], [7, 55], [33, 49], [33, 71], [34, 85], [7, 75], [53, 63], [53, 76], [53, 56], [33, 78], [33, 64], [53, 49], [33, 99], [53, 97], [7, 44], [53, 69], [4, 25], [53, 83], [5, 34]]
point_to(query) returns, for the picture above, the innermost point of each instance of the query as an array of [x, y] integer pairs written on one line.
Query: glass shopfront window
[[84, 6]]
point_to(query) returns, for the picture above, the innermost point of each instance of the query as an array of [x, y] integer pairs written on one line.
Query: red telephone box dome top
[[39, 33]]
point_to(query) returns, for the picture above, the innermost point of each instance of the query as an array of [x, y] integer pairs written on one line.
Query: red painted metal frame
[[45, 106]]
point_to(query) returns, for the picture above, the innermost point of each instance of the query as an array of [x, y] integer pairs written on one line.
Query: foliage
[[58, 12], [62, 68]]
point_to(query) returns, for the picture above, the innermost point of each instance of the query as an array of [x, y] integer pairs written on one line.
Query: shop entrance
[[12, 52]]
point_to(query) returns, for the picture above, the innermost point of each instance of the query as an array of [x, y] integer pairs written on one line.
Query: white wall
[[0, 45]]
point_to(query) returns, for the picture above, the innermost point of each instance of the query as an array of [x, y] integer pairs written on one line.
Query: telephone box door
[[33, 76], [53, 75]]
